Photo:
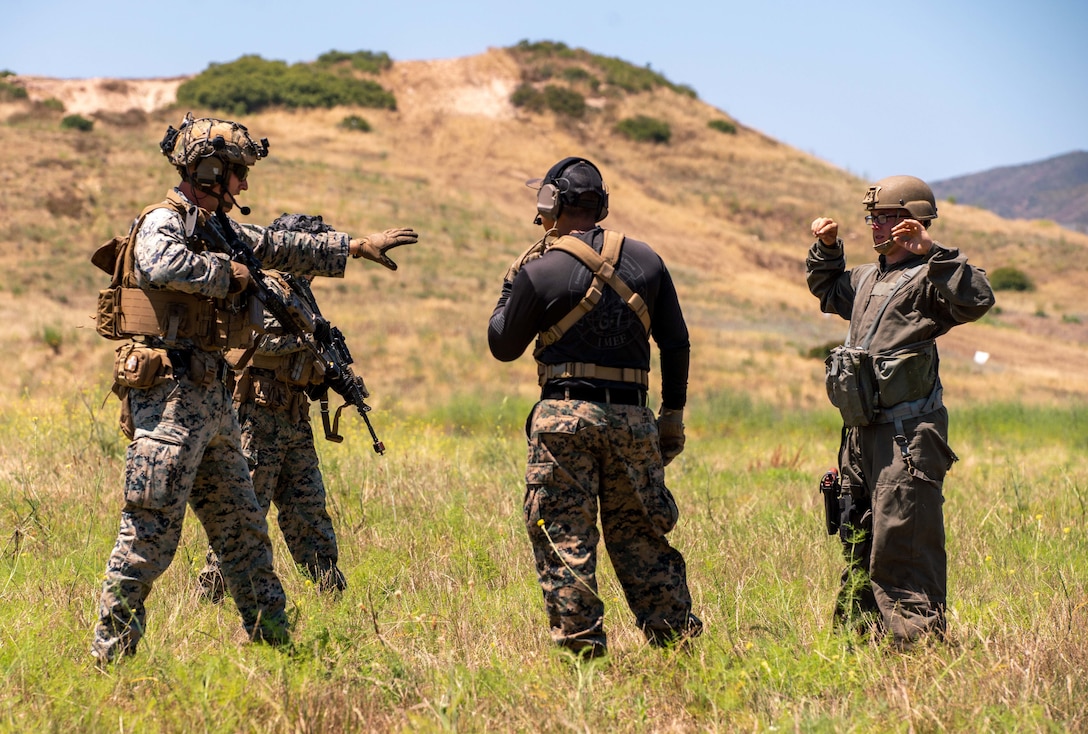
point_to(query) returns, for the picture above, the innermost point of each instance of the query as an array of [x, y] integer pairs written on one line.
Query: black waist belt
[[613, 395]]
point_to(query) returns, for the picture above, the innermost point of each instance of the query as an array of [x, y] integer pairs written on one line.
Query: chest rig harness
[[884, 387], [125, 310], [603, 267]]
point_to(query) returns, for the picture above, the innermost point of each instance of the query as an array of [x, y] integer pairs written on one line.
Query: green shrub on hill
[[365, 61], [620, 74], [251, 83], [564, 101], [77, 122], [560, 100], [644, 129], [1010, 279], [10, 92], [528, 97], [723, 126], [356, 124]]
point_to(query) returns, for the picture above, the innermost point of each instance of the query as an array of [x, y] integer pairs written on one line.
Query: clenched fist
[[826, 230], [374, 246]]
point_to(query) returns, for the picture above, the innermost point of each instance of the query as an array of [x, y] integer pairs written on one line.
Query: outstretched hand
[[374, 246]]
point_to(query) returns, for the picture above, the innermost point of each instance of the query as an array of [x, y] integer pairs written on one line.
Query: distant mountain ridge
[[1055, 189]]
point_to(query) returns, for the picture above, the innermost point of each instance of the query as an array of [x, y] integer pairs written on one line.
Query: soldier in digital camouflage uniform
[[895, 453], [181, 300], [277, 439], [594, 445]]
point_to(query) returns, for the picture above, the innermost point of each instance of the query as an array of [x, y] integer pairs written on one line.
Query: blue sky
[[930, 88]]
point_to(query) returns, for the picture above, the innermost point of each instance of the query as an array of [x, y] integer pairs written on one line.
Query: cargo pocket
[[152, 470], [660, 507], [930, 454], [537, 478]]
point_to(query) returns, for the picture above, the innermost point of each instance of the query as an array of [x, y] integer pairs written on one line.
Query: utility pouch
[[125, 420], [141, 367], [108, 315], [268, 392], [906, 374], [851, 386], [299, 368], [205, 368]]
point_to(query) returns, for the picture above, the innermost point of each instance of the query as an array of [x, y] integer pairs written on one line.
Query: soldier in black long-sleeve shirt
[[592, 299]]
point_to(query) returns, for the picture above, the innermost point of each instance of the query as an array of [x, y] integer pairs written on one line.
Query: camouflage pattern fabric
[[586, 457], [278, 443], [186, 451], [187, 448]]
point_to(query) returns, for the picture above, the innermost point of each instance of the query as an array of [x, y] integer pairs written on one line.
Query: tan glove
[[239, 277], [373, 246], [670, 433], [528, 256]]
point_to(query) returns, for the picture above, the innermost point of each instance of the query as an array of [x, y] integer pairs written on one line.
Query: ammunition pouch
[[125, 312], [265, 390], [906, 374], [863, 386], [296, 368], [851, 386]]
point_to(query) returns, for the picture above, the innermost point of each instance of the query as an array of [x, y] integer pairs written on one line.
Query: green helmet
[[902, 192], [208, 137]]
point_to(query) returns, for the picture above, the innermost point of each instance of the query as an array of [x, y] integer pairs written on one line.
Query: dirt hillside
[[728, 212], [88, 96]]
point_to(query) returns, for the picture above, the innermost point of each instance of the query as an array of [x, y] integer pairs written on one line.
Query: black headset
[[554, 191]]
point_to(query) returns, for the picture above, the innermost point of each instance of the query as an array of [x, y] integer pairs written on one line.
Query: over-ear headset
[[555, 191], [210, 171]]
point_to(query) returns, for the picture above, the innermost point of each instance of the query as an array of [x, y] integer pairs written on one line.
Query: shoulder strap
[[903, 278], [603, 267], [125, 263]]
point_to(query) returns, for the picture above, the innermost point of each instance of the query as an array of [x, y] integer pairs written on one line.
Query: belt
[[612, 395]]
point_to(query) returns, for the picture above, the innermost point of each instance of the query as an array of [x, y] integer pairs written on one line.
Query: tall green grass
[[442, 626]]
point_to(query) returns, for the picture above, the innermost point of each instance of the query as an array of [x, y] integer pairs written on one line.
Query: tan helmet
[[902, 192], [206, 138]]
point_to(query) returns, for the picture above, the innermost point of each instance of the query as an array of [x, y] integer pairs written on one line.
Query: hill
[[729, 212], [1054, 189]]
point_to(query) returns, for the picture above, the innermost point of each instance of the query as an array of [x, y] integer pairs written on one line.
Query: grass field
[[442, 628]]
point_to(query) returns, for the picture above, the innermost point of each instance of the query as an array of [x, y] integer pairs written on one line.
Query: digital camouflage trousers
[[587, 458], [186, 451], [279, 447]]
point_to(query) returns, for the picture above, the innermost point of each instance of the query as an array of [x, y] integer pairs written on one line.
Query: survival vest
[[603, 267], [875, 387], [126, 310]]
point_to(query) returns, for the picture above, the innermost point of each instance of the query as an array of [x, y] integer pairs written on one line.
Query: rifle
[[325, 342]]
